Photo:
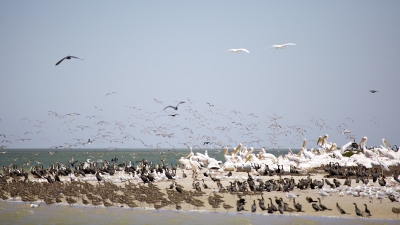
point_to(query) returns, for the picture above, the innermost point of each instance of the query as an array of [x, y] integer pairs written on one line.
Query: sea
[[17, 212], [32, 157]]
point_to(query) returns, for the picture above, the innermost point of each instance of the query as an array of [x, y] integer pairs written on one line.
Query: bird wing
[[244, 50], [170, 106], [60, 61], [275, 46], [289, 44], [74, 57]]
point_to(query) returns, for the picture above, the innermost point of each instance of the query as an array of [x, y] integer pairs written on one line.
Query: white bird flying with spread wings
[[236, 50], [281, 46]]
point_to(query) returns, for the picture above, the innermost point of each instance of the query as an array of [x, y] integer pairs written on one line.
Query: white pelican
[[190, 154], [195, 167], [237, 50], [367, 153], [281, 46]]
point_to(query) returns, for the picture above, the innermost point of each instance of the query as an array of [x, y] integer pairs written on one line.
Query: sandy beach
[[159, 195]]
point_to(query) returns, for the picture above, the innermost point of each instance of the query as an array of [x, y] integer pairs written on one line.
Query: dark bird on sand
[[67, 57], [396, 210], [367, 211], [309, 199], [174, 107], [340, 209]]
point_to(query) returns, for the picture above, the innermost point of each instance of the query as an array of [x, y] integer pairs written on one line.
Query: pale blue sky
[[176, 51]]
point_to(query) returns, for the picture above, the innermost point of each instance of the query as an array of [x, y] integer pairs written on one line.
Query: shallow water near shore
[[15, 212]]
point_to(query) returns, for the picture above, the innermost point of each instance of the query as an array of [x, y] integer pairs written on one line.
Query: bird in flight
[[174, 107], [373, 91], [237, 50], [67, 57], [110, 93], [281, 46]]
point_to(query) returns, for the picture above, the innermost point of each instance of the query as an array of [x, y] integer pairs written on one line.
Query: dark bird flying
[[174, 107], [67, 57]]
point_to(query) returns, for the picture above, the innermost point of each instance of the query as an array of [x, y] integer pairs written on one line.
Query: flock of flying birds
[[194, 126], [236, 50], [214, 127]]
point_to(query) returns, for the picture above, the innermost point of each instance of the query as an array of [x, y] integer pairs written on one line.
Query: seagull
[[291, 196], [373, 91], [237, 50], [67, 57], [281, 46], [174, 107]]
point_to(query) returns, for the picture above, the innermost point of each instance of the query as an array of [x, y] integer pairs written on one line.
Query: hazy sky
[[172, 51]]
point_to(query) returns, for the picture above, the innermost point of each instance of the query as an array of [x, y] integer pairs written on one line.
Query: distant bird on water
[[67, 57], [174, 107], [281, 46], [373, 91], [237, 50]]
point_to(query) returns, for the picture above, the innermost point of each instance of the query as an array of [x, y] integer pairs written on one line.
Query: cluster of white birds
[[237, 50], [243, 157]]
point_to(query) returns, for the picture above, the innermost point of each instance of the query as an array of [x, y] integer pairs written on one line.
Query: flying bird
[[110, 93], [67, 57], [174, 107], [237, 50], [281, 46], [373, 91]]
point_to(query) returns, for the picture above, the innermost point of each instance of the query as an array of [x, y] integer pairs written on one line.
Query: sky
[[142, 56]]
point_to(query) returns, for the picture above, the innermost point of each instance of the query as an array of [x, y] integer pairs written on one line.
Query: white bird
[[291, 196], [323, 193], [34, 205], [281, 46], [237, 50]]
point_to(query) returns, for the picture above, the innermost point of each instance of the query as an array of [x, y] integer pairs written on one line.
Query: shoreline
[[380, 211]]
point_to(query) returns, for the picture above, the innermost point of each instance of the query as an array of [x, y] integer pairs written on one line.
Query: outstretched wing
[[60, 61], [289, 44], [244, 50], [170, 106], [74, 57]]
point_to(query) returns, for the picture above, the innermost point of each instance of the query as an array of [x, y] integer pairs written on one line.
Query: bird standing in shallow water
[[227, 207], [67, 57]]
